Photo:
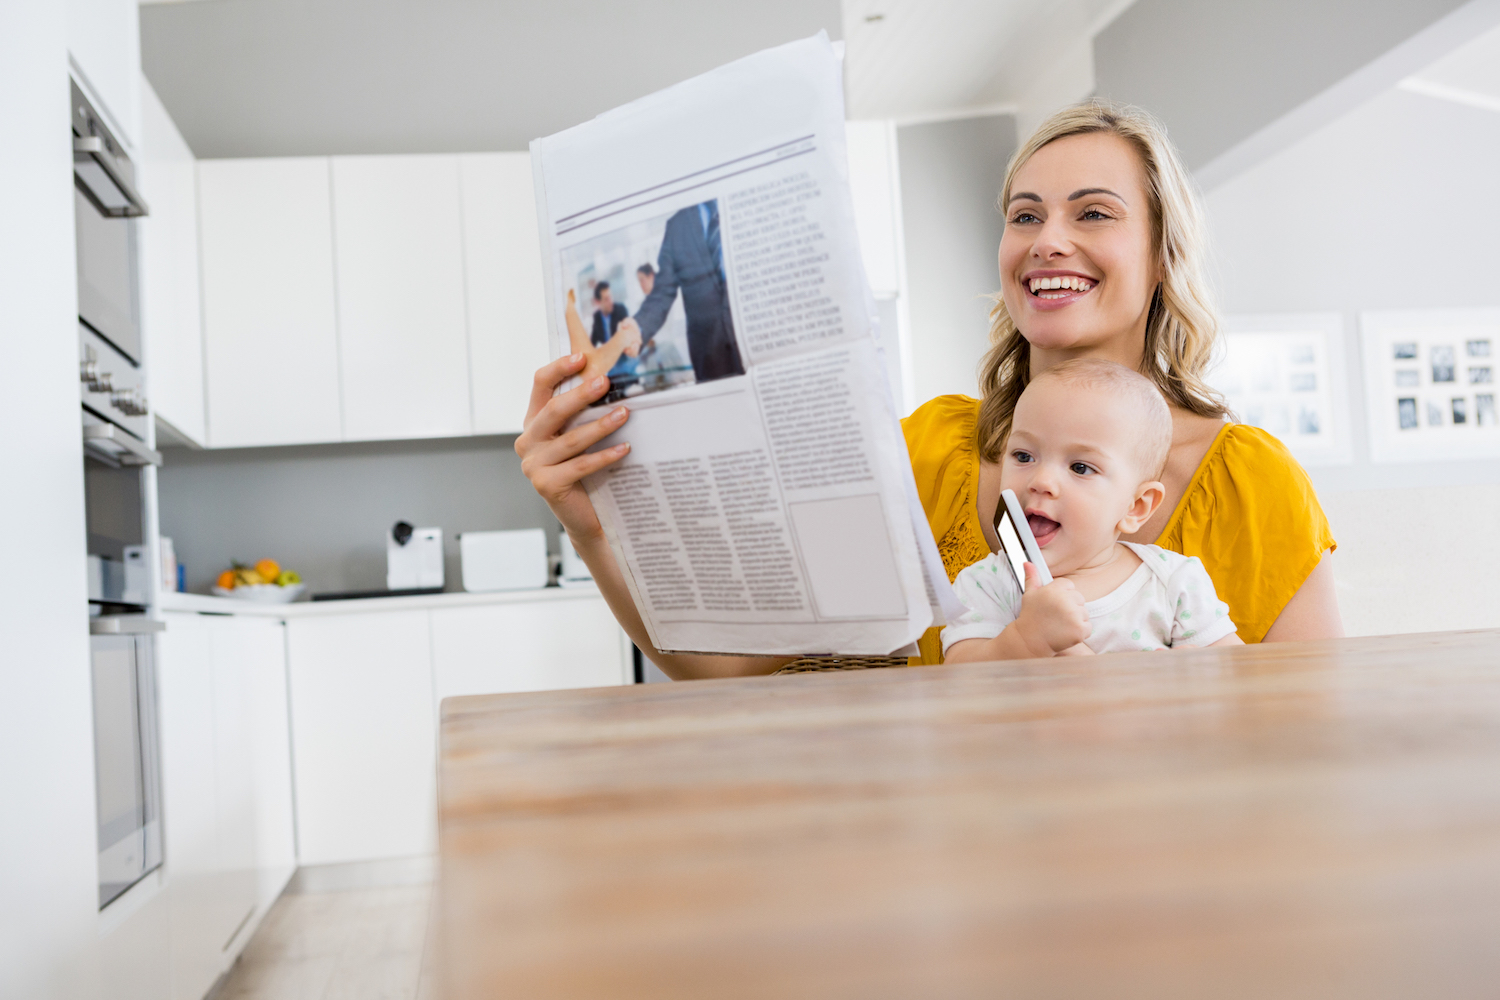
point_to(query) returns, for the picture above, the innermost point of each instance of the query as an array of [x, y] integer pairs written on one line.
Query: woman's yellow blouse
[[1250, 512]]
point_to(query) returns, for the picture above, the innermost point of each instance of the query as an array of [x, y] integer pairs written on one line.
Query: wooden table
[[1310, 820]]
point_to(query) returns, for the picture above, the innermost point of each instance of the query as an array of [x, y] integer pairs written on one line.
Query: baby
[[1088, 440]]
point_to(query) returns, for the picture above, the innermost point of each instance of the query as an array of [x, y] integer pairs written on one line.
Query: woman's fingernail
[[576, 358], [618, 416], [621, 449], [599, 383]]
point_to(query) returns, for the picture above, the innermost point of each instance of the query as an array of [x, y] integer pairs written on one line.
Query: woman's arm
[[556, 461], [1313, 611]]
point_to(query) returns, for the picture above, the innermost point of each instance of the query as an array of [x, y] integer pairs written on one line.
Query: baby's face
[[1071, 460]]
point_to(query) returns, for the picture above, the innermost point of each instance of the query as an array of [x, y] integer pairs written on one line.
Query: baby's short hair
[[1155, 432]]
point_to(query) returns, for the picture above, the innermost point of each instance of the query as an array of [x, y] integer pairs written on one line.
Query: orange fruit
[[268, 570], [226, 579]]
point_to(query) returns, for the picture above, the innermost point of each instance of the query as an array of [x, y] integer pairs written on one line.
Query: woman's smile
[[1054, 289]]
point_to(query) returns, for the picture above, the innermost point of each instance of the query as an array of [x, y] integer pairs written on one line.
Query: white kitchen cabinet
[[104, 44], [171, 315], [536, 646], [403, 335], [507, 306], [226, 787], [271, 349], [364, 736], [875, 188]]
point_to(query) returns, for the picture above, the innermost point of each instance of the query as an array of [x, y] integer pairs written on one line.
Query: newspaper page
[[699, 248]]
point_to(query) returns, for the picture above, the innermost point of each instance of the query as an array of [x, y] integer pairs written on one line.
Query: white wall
[[950, 179], [48, 897], [1388, 207]]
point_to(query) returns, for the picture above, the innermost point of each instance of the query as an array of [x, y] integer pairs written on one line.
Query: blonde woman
[[1101, 257]]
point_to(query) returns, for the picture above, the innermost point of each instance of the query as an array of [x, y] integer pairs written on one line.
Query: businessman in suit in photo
[[608, 314], [691, 262]]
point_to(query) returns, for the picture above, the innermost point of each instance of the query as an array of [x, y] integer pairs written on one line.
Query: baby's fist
[[1053, 617]]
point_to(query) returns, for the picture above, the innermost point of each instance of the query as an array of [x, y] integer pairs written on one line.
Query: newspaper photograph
[[700, 250]]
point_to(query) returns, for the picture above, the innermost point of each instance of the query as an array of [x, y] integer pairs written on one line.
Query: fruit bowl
[[264, 593]]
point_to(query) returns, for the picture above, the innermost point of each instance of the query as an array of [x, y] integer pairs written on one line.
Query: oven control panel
[[109, 385]]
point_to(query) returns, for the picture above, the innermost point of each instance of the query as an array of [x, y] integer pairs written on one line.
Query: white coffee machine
[[413, 558]]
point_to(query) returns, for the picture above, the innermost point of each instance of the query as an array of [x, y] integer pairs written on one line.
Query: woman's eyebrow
[[1081, 192], [1025, 194]]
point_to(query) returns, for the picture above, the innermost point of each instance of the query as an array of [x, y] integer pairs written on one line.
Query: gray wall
[[951, 174], [323, 510], [1217, 72]]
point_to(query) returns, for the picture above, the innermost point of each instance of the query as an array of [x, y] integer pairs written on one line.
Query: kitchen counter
[[215, 605], [1305, 819]]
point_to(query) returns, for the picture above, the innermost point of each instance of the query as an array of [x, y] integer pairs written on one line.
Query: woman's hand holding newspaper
[[556, 459]]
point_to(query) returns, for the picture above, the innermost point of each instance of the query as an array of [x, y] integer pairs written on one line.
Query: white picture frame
[[1430, 390], [1287, 374]]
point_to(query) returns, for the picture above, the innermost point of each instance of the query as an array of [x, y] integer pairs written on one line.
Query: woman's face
[[1077, 265]]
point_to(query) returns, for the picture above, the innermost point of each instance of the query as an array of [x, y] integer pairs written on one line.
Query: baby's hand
[[1053, 617]]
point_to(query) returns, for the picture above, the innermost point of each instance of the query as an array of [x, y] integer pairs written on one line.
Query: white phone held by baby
[[1017, 541]]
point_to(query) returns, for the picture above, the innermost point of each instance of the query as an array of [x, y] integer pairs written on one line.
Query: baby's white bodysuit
[[1168, 601]]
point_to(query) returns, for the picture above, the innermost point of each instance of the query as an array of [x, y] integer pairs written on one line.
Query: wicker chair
[[823, 664]]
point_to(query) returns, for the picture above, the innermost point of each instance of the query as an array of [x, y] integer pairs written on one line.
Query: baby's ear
[[1148, 497]]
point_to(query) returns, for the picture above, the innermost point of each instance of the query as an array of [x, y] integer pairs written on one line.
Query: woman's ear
[[1147, 499]]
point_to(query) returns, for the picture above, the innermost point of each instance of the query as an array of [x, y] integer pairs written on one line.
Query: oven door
[[126, 767], [107, 299]]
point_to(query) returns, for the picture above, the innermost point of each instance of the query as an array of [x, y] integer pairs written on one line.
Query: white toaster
[[503, 560]]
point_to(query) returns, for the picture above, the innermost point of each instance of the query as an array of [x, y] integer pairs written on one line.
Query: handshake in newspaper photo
[[660, 300]]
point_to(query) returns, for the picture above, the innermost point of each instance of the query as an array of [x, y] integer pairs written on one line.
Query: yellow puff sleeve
[[1251, 515]]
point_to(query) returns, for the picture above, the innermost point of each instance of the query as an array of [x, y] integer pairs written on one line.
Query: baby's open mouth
[[1060, 286], [1043, 528]]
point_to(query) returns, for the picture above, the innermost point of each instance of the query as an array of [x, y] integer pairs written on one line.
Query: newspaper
[[699, 247]]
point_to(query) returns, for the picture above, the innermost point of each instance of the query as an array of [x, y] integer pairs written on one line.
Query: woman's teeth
[[1062, 284]]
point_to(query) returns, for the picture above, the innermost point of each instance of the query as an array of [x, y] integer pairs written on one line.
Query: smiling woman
[[1102, 257]]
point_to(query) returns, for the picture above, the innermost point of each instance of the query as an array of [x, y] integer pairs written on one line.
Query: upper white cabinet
[[507, 305], [270, 332], [398, 233], [171, 316], [104, 43]]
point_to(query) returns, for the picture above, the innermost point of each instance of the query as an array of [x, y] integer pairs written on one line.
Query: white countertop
[[211, 605]]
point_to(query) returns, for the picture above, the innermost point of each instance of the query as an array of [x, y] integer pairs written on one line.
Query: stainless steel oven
[[126, 758], [104, 202]]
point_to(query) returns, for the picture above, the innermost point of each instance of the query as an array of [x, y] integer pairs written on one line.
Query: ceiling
[[1468, 75], [913, 59], [320, 77]]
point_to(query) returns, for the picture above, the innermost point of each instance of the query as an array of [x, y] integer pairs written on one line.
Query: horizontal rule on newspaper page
[[699, 249]]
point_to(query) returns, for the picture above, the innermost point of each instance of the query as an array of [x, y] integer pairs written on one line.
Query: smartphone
[[1017, 541]]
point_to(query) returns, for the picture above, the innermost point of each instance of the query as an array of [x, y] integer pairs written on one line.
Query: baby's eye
[[1021, 456], [1079, 469]]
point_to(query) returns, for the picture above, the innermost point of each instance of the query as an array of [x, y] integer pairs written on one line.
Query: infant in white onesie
[[1088, 440], [1168, 601]]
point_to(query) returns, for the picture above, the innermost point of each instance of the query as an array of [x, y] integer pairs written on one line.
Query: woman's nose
[[1052, 241]]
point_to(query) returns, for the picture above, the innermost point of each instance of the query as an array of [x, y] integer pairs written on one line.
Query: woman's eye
[[1094, 214], [1079, 469], [1022, 218]]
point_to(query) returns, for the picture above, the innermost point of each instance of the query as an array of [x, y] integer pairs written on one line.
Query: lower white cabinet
[[365, 689], [364, 737], [527, 647], [227, 823]]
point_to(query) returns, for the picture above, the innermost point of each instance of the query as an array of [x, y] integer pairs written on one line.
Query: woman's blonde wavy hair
[[1182, 327]]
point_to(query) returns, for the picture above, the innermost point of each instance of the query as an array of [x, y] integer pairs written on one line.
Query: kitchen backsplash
[[324, 509]]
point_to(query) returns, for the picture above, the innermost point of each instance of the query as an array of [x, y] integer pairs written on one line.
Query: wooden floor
[[368, 944]]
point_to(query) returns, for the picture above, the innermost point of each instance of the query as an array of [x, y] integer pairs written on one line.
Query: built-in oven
[[117, 448], [127, 771]]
